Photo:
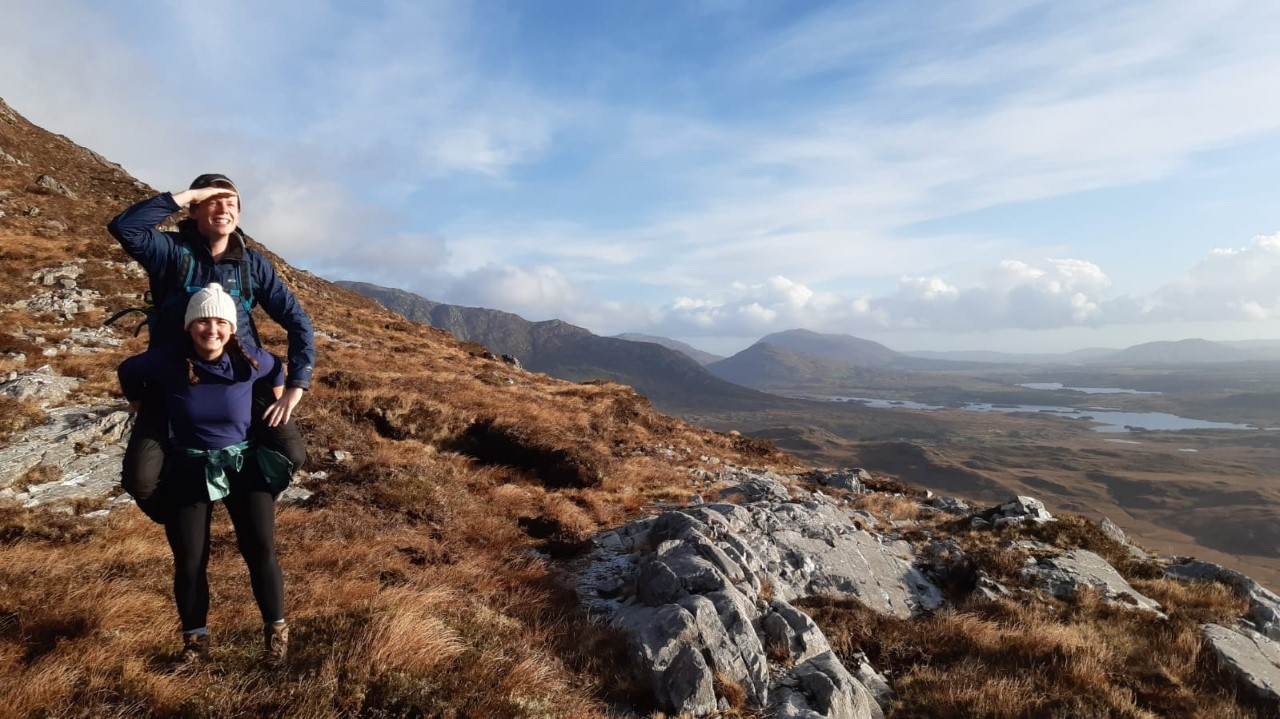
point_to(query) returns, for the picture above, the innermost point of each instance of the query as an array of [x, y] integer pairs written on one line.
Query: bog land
[[1209, 493]]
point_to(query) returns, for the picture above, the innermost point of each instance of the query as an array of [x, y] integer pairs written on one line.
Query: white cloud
[[538, 292], [1230, 284]]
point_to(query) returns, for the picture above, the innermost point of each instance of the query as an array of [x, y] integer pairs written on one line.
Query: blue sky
[[975, 174]]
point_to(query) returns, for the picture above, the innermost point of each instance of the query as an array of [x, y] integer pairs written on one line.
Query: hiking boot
[[275, 644], [195, 647]]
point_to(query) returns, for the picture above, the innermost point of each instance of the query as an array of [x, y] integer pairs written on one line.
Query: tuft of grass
[[17, 416]]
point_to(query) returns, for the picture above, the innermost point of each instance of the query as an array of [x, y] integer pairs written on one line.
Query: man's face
[[217, 216]]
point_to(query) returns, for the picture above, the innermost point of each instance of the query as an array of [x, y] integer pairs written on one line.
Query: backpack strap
[[246, 281]]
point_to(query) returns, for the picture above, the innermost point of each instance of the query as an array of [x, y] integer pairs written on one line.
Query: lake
[[1107, 420], [1058, 386]]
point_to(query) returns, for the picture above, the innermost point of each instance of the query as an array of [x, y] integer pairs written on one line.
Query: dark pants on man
[[144, 457], [252, 509]]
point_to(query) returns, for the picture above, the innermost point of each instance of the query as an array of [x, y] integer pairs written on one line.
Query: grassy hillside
[[417, 581]]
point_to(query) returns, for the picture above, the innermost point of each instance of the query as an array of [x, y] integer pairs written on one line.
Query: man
[[209, 247]]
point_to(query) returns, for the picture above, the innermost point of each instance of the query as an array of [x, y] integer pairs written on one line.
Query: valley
[[1213, 494]]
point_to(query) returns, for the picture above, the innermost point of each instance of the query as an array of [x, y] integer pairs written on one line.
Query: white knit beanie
[[212, 301]]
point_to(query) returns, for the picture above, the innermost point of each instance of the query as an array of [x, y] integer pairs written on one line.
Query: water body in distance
[[1056, 386], [1108, 420]]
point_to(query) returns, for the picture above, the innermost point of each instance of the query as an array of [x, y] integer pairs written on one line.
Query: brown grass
[[888, 507], [18, 415], [1067, 659]]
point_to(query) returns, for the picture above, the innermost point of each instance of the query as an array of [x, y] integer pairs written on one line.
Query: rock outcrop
[[1077, 569], [705, 594], [1253, 659], [75, 454]]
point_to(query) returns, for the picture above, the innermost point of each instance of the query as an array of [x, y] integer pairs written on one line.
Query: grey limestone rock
[[821, 688], [756, 487], [63, 301], [666, 640], [951, 505], [852, 479], [43, 386], [1018, 510], [1110, 529], [790, 630], [1066, 574], [1264, 605], [711, 586], [1252, 658], [52, 185], [81, 443]]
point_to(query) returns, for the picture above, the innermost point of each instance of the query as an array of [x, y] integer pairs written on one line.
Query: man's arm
[[135, 228], [282, 306]]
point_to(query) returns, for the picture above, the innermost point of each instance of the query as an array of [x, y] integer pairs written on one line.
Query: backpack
[[151, 308]]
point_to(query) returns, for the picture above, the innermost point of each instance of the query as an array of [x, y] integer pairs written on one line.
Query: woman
[[207, 382]]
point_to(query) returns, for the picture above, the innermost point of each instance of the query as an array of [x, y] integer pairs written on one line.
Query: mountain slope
[[863, 354], [670, 379], [846, 349], [1191, 351], [767, 366], [418, 578], [699, 356]]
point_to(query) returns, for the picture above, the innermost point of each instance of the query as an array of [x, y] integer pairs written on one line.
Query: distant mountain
[[861, 353], [1258, 349], [846, 349], [1193, 351], [702, 358], [670, 379], [768, 366]]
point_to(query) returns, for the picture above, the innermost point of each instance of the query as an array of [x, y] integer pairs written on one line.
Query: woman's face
[[209, 335]]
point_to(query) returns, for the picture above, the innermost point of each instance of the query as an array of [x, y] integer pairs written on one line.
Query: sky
[[951, 175]]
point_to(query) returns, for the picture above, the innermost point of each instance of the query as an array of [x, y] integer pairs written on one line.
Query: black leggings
[[253, 515], [144, 457]]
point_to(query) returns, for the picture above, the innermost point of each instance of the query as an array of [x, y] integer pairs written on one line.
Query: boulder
[[1250, 657], [754, 487], [1074, 570], [707, 591], [1018, 510], [821, 688], [851, 479], [951, 505], [54, 187]]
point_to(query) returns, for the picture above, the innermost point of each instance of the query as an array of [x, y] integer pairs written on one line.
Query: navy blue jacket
[[160, 254]]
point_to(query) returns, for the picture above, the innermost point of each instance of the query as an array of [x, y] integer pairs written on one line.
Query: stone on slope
[[1253, 659], [1264, 605], [43, 386], [821, 688], [82, 447], [1066, 574], [1018, 510], [702, 591]]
